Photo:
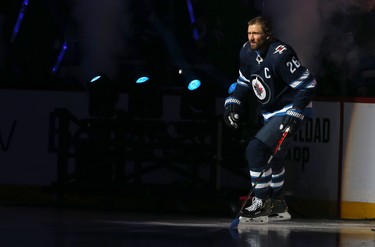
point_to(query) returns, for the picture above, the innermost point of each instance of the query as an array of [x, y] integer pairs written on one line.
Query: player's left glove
[[232, 112], [291, 120]]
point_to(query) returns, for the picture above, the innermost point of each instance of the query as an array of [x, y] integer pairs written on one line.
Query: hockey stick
[[236, 220]]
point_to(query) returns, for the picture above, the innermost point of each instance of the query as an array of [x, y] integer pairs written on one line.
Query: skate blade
[[257, 220], [280, 216]]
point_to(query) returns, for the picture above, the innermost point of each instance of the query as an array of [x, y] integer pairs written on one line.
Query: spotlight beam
[[192, 19], [60, 57], [19, 20]]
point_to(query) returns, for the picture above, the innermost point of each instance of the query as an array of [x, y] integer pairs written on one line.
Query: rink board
[[357, 190]]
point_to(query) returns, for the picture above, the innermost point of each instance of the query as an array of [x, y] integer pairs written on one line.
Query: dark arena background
[[113, 109]]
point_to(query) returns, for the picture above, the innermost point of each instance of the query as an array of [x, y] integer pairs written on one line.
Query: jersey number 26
[[293, 65]]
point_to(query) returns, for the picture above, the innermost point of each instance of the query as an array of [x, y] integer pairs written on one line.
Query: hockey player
[[284, 88]]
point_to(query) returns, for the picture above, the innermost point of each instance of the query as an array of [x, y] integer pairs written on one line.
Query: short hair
[[263, 22]]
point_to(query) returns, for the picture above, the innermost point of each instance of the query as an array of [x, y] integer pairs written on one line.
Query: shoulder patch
[[280, 49]]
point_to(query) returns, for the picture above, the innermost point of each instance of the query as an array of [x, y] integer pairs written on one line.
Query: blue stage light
[[96, 78], [194, 84], [142, 79], [103, 96]]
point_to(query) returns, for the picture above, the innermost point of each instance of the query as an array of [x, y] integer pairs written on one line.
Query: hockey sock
[[277, 183], [262, 187]]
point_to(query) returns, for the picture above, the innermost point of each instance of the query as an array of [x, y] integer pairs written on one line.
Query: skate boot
[[279, 210], [257, 212]]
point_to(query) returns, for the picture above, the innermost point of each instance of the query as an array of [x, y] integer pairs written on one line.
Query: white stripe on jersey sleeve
[[242, 77], [312, 84], [299, 81]]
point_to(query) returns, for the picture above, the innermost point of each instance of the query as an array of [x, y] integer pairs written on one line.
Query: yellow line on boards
[[357, 210]]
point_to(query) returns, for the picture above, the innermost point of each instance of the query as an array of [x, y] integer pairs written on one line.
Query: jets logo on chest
[[280, 49], [261, 89]]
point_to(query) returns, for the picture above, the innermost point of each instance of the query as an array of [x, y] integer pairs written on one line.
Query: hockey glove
[[231, 112], [291, 120]]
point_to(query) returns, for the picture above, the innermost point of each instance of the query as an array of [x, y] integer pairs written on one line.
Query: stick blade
[[234, 223]]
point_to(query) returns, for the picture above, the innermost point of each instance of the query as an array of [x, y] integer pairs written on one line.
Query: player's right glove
[[291, 120], [232, 108]]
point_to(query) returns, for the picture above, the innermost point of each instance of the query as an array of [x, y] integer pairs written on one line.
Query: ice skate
[[257, 212], [279, 210]]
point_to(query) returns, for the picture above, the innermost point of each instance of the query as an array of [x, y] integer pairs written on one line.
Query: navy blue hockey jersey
[[276, 77]]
